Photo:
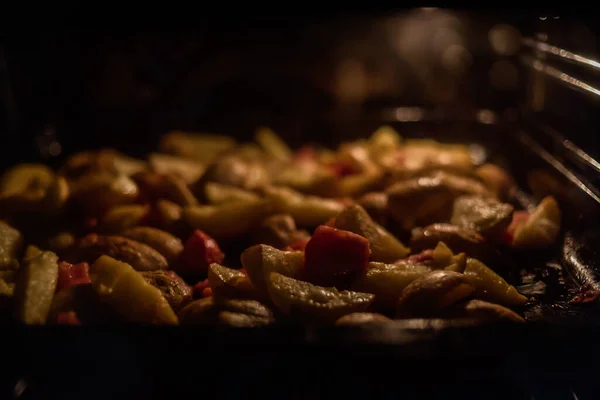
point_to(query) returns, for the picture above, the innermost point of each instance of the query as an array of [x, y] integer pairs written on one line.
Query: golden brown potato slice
[[95, 193], [292, 296], [203, 147], [485, 311], [218, 193], [541, 229], [187, 169], [496, 179], [260, 260], [491, 286], [35, 286], [384, 246], [11, 243], [388, 281], [229, 220], [120, 218], [307, 210], [126, 290], [235, 313], [427, 199], [163, 242], [273, 144], [433, 293], [173, 288], [230, 283]]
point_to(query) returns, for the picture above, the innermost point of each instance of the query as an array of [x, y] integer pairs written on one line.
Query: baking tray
[[552, 356]]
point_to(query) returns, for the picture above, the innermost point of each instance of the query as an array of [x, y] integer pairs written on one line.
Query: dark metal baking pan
[[399, 359]]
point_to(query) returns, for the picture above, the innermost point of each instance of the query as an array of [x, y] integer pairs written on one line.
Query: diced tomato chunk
[[199, 251], [518, 218], [332, 254], [67, 318], [299, 245], [71, 275], [207, 292], [198, 289]]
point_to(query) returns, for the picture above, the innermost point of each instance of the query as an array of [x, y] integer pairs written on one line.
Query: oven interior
[[520, 87]]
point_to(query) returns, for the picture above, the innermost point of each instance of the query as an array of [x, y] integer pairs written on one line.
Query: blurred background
[[313, 76]]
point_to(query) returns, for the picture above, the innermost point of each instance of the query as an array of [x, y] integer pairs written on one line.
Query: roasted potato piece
[[234, 171], [375, 204], [369, 174], [427, 199], [28, 180], [59, 242], [11, 243], [229, 220], [120, 218], [35, 286], [273, 145], [388, 281], [496, 179], [260, 260], [119, 285], [163, 242], [99, 192], [491, 286], [169, 214], [431, 294], [189, 171], [140, 256], [279, 231], [230, 283], [457, 239], [542, 228], [24, 187], [236, 313], [328, 304], [359, 318], [171, 187], [307, 210], [417, 154], [173, 288], [309, 177], [203, 147], [489, 217], [384, 246], [482, 310], [383, 146], [217, 193]]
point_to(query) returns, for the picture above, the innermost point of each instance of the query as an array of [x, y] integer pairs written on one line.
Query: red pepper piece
[[518, 218], [71, 275], [199, 251], [198, 289], [332, 254]]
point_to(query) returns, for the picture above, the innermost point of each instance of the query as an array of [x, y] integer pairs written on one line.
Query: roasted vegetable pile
[[211, 231]]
